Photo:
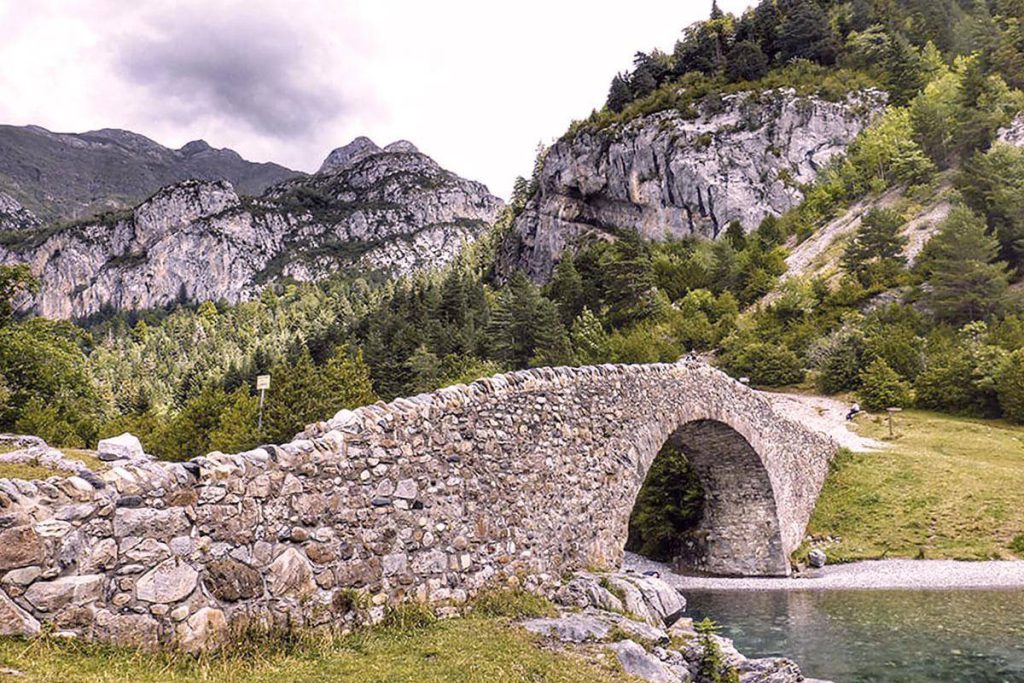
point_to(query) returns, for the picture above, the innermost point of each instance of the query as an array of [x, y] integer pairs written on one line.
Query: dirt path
[[823, 414]]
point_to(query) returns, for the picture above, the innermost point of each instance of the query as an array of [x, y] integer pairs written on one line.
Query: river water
[[970, 636]]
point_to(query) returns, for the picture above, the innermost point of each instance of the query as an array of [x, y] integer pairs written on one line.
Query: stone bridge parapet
[[522, 476]]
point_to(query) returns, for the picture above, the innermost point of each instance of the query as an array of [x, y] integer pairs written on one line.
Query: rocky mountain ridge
[[390, 211], [742, 158], [73, 176]]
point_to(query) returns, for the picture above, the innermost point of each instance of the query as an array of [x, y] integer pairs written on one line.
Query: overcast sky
[[476, 85]]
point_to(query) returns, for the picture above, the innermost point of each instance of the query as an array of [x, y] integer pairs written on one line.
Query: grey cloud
[[255, 69]]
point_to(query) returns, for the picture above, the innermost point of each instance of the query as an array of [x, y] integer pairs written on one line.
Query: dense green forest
[[946, 333]]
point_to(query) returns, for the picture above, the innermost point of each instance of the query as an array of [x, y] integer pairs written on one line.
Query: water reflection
[[855, 636]]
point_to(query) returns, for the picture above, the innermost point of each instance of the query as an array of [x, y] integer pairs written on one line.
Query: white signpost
[[262, 383]]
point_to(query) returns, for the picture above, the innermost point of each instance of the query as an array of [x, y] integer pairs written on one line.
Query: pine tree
[[630, 280], [551, 342], [805, 34], [881, 387], [966, 283], [619, 94], [875, 254], [566, 288], [716, 13], [293, 400], [237, 426], [589, 340], [345, 383], [746, 62]]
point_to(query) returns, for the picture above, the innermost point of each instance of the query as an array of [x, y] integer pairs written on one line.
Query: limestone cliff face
[[665, 175], [14, 216], [1014, 133], [389, 211]]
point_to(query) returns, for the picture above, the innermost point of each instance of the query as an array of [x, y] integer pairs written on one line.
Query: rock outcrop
[[640, 620], [393, 210], [73, 176], [14, 216], [741, 158], [1013, 134]]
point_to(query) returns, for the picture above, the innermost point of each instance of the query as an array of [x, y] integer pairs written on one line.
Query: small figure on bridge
[[854, 409]]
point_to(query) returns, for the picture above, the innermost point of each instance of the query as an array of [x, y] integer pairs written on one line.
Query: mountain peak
[[195, 147], [402, 147], [352, 153]]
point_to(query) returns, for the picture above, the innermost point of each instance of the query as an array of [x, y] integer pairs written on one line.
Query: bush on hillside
[[766, 365], [1011, 387], [881, 387]]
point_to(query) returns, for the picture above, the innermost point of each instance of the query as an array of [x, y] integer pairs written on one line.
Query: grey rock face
[[394, 212], [1014, 133], [14, 216], [352, 153], [665, 175], [817, 558], [72, 176]]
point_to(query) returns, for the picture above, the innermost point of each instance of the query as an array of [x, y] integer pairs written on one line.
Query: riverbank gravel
[[866, 575]]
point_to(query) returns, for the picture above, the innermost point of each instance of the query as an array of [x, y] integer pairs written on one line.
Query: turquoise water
[[857, 636]]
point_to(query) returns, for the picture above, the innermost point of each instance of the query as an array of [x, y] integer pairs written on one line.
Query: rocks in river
[[817, 558], [637, 618]]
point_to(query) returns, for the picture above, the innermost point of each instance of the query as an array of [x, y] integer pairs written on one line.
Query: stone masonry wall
[[526, 475]]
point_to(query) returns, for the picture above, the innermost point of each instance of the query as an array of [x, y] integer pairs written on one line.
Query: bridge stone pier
[[518, 478]]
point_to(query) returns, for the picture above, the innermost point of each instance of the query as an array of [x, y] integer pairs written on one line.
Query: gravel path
[[823, 414], [867, 575]]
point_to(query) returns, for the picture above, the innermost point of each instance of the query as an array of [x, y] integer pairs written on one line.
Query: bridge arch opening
[[707, 505]]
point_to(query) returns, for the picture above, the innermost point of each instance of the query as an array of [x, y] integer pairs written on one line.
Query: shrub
[[766, 364], [713, 666], [1011, 387], [882, 388]]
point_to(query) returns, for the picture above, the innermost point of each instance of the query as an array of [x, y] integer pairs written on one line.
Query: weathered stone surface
[[51, 596], [161, 525], [126, 446], [636, 661], [669, 175], [14, 621], [202, 630], [20, 546], [570, 628], [169, 581], [291, 574], [230, 580], [817, 558], [128, 630]]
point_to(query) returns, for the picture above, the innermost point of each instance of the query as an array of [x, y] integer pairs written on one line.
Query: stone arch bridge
[[524, 476]]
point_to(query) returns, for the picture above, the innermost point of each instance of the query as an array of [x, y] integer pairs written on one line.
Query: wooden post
[[891, 411]]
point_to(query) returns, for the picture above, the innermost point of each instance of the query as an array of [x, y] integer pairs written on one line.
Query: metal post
[[262, 383], [259, 423]]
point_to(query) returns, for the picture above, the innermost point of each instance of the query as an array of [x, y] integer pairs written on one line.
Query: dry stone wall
[[522, 476]]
